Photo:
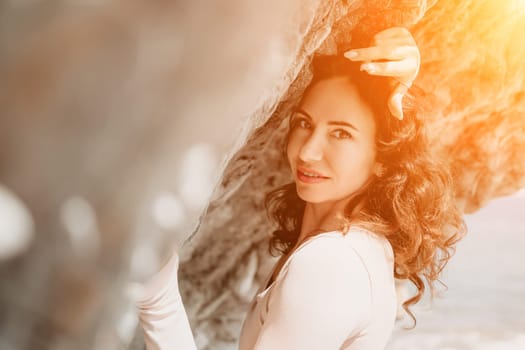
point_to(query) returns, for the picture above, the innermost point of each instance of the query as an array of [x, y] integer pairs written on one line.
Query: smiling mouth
[[309, 172], [312, 175], [309, 177]]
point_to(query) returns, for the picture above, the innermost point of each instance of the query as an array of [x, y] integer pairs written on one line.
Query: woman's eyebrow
[[334, 122]]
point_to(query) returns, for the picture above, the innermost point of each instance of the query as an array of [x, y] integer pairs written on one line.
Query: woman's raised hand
[[393, 53]]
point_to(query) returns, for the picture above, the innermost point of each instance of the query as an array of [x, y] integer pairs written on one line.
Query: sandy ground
[[484, 307]]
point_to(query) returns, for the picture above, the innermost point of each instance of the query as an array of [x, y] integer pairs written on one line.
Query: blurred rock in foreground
[[129, 126]]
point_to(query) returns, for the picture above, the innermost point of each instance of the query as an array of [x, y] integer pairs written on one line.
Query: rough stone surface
[[109, 108], [478, 127]]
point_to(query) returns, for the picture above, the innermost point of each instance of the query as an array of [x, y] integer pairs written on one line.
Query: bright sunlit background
[[117, 118], [484, 306]]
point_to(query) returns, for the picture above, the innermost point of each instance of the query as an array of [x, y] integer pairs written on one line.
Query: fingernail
[[369, 67], [399, 98], [399, 116], [351, 54], [398, 101], [397, 113]]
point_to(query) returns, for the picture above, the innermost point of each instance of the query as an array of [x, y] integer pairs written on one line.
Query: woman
[[369, 202]]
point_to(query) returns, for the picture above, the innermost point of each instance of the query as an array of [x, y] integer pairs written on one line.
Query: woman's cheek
[[294, 138]]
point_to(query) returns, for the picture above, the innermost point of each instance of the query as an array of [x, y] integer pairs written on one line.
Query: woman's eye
[[303, 123], [300, 122], [342, 134]]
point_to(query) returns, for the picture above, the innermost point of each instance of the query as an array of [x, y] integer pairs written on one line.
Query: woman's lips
[[309, 171], [309, 179]]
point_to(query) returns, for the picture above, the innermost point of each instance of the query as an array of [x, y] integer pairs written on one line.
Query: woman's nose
[[312, 149]]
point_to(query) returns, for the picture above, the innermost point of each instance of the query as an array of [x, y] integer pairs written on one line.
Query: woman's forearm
[[161, 312], [165, 324]]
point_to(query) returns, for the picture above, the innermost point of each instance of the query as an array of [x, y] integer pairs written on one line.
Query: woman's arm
[[323, 298], [161, 312], [394, 53]]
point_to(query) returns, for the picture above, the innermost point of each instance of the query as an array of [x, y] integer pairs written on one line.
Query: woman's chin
[[310, 196]]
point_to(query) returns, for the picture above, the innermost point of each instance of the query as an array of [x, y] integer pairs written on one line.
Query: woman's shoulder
[[369, 243], [361, 240], [323, 244], [328, 256], [357, 246], [325, 249]]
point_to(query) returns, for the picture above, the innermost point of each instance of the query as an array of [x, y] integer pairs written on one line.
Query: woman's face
[[333, 134]]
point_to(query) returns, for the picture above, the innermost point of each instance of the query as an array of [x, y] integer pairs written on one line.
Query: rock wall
[[473, 81], [126, 126]]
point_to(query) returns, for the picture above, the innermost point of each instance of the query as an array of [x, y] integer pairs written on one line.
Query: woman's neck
[[323, 217]]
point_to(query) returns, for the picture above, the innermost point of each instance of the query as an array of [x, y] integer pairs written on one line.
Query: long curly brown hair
[[411, 204]]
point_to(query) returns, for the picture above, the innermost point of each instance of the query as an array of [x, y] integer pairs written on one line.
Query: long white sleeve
[[161, 312], [323, 299]]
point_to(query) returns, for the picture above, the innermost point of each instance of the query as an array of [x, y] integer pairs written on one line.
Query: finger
[[405, 70], [382, 53], [395, 101], [393, 36], [393, 32], [395, 41]]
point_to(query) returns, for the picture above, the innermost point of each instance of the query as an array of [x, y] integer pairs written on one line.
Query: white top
[[333, 292], [162, 315]]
